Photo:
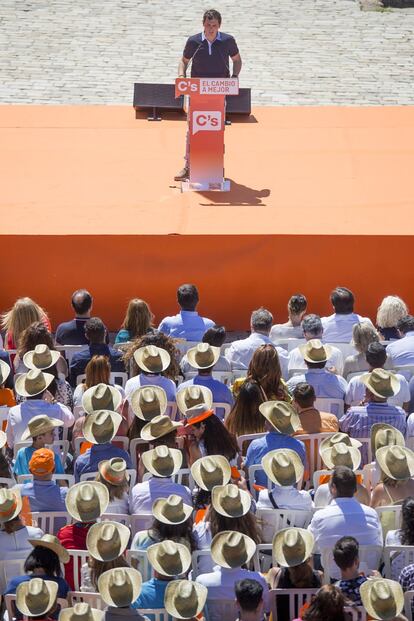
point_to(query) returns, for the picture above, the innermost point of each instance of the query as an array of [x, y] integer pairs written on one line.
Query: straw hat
[[113, 470], [101, 427], [232, 549], [162, 461], [336, 438], [120, 587], [32, 383], [4, 371], [36, 597], [10, 504], [230, 501], [194, 395], [383, 434], [158, 427], [81, 612], [381, 383], [381, 598], [281, 415], [152, 359], [171, 510], [41, 357], [51, 543], [203, 356], [397, 462], [107, 540], [87, 500], [315, 351], [184, 599], [101, 397], [197, 414], [283, 466], [211, 470], [147, 402], [40, 424], [292, 546], [3, 439], [169, 558], [341, 455]]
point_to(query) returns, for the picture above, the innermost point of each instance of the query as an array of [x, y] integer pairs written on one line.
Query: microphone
[[195, 53]]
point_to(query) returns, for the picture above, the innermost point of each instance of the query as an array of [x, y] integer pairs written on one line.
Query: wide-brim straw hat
[[315, 351], [40, 424], [10, 504], [87, 500], [193, 395], [149, 401], [51, 543], [382, 598], [397, 462], [113, 470], [342, 455], [281, 415], [292, 546], [4, 371], [120, 587], [81, 612], [152, 359], [36, 597], [169, 558], [107, 540], [171, 510], [3, 439], [33, 383], [197, 414], [336, 438], [230, 501], [41, 357], [185, 599], [383, 434], [162, 461], [232, 549], [210, 471], [158, 427], [203, 356], [381, 383], [283, 466], [102, 426], [101, 397]]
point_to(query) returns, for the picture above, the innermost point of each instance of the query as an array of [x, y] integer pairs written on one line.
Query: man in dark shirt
[[210, 52], [73, 332]]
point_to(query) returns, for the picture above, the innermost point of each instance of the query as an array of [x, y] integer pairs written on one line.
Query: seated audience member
[[337, 328], [363, 335], [41, 430], [313, 329], [73, 332], [100, 396], [397, 468], [344, 515], [188, 324], [152, 362], [215, 337], [137, 321], [194, 395], [264, 369], [98, 371], [311, 419], [161, 430], [185, 599], [47, 358], [346, 556], [240, 352], [292, 329], [328, 603], [382, 434], [106, 543], [327, 385], [403, 536], [401, 352], [383, 599], [99, 429], [36, 599], [113, 474], [23, 313], [208, 472], [33, 386], [146, 404], [119, 589], [245, 416], [156, 339], [42, 492], [249, 600], [6, 380], [282, 422], [390, 311]]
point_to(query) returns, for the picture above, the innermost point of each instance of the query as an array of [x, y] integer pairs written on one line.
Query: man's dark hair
[[316, 365], [342, 300], [215, 336], [376, 355], [261, 320], [43, 558], [187, 297], [406, 324], [345, 481], [81, 301], [312, 324], [95, 330], [249, 593], [212, 14], [304, 394], [297, 303], [345, 552]]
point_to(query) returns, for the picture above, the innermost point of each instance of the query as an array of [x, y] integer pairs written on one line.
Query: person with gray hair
[[313, 329]]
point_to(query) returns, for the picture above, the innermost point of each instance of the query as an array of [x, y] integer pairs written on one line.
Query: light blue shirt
[[152, 595], [241, 352], [221, 392], [338, 328], [186, 325], [147, 379], [44, 495], [24, 455], [327, 385], [89, 460], [401, 352], [269, 442]]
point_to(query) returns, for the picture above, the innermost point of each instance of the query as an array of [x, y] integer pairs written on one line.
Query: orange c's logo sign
[[206, 121]]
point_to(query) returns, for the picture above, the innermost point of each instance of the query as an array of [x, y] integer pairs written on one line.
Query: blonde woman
[[389, 313], [23, 313], [363, 334], [137, 322]]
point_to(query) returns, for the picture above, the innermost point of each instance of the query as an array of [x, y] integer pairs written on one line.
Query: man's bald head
[[82, 302]]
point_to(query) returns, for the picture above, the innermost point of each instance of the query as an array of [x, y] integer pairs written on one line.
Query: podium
[[207, 117]]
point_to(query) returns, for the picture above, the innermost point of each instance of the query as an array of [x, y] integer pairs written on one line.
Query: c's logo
[[207, 121]]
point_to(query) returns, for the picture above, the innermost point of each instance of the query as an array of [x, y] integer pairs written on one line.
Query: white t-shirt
[[16, 546]]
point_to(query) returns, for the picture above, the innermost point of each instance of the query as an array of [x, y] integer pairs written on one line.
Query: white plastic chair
[[113, 377], [246, 437], [347, 349], [157, 614], [79, 558], [50, 521], [133, 450], [262, 559], [10, 569], [58, 446], [297, 598], [319, 473], [226, 377], [355, 374], [332, 406], [390, 553], [78, 411], [408, 604], [273, 520], [179, 477], [123, 518], [394, 509], [237, 373], [196, 556], [369, 555], [220, 610], [10, 601], [5, 481], [69, 478], [4, 413], [93, 599], [172, 411], [312, 442], [139, 560], [371, 476], [366, 450], [225, 409], [90, 476], [141, 521]]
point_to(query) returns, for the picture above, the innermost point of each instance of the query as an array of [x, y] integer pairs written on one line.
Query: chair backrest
[[248, 437], [182, 477], [220, 610], [408, 604], [333, 406], [50, 521], [297, 598], [119, 378], [93, 599], [139, 560], [61, 447], [389, 516], [156, 614], [10, 569], [347, 349], [312, 442], [239, 373], [321, 473], [196, 556], [123, 518], [366, 450], [140, 521], [355, 374], [78, 411], [371, 476], [6, 482], [172, 411], [71, 350], [226, 377], [69, 478], [370, 555], [390, 553], [223, 409], [4, 413], [262, 558], [90, 476], [117, 440], [355, 613], [133, 450], [10, 601], [273, 520], [79, 558]]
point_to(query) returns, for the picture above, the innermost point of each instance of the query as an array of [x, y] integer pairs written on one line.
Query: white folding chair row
[[297, 599], [93, 599], [332, 406], [178, 477], [70, 350], [390, 553], [369, 556], [272, 520], [113, 377], [139, 560], [90, 476], [123, 518], [79, 557], [50, 521], [68, 478], [321, 473], [246, 437], [10, 601], [77, 443], [60, 447]]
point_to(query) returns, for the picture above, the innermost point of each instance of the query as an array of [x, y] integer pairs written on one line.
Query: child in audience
[[41, 430], [249, 600], [346, 556]]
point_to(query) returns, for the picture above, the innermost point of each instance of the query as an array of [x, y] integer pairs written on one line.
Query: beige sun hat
[[120, 587], [41, 357], [292, 546], [4, 371], [101, 426], [397, 462], [283, 467], [158, 427], [147, 402], [36, 597], [203, 356], [281, 415], [383, 434], [231, 549], [51, 543], [211, 470], [40, 424], [10, 504], [194, 395], [107, 540], [336, 438], [152, 359], [101, 397], [381, 383], [171, 510], [169, 558], [113, 470], [162, 461], [81, 612], [315, 351], [382, 598], [32, 383], [342, 455], [230, 501], [87, 500], [184, 599]]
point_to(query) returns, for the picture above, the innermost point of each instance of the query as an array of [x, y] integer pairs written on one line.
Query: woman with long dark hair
[[137, 322], [403, 536], [245, 416]]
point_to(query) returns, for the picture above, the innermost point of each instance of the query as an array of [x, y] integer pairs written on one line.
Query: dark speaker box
[[156, 97], [241, 103]]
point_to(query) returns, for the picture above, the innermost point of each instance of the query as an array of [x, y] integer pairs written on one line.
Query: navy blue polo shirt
[[210, 61]]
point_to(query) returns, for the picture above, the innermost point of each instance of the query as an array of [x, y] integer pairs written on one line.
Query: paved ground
[[295, 51]]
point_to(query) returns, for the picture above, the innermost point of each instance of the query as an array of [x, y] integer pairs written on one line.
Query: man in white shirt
[[292, 328], [188, 324], [401, 352], [241, 352], [338, 327], [313, 329]]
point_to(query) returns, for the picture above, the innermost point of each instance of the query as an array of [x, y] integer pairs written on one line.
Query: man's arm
[[237, 65], [182, 67]]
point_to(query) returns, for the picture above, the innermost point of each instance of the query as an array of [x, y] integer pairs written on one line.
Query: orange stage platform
[[320, 196]]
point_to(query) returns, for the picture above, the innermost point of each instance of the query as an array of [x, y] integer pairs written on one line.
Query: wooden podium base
[[188, 186]]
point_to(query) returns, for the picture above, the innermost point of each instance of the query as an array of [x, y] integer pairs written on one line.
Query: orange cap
[[42, 462]]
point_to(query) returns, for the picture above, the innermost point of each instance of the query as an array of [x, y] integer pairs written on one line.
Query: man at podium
[[209, 52]]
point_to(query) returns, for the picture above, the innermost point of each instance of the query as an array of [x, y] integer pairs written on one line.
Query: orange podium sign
[[207, 116]]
